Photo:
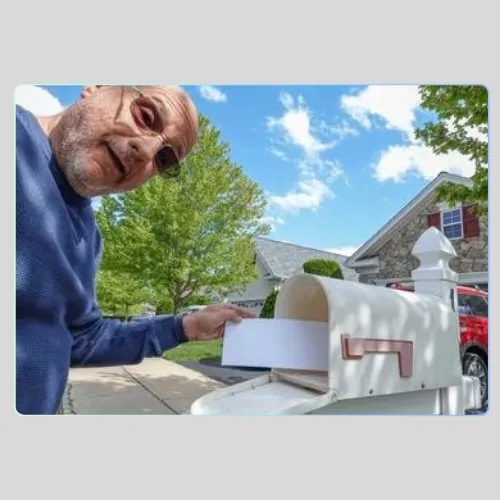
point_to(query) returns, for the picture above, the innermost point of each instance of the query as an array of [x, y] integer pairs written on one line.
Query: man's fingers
[[215, 318], [243, 313], [249, 315], [236, 315]]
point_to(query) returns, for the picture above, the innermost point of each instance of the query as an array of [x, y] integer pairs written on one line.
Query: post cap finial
[[434, 251]]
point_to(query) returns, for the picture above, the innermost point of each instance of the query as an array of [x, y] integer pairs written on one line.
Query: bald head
[[118, 137], [182, 111]]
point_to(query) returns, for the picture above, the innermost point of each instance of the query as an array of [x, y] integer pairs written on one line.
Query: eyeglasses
[[166, 159]]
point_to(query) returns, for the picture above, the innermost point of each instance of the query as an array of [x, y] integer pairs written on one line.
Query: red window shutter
[[471, 222], [434, 220]]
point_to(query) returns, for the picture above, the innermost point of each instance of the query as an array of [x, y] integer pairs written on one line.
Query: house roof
[[284, 260], [370, 248]]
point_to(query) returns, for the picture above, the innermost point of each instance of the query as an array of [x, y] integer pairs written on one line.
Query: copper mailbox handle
[[357, 347]]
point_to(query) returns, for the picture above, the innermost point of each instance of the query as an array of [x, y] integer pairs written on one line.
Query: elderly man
[[113, 140]]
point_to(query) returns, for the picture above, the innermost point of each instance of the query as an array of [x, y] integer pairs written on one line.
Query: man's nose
[[143, 150]]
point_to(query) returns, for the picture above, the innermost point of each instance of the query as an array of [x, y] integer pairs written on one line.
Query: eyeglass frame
[[172, 171]]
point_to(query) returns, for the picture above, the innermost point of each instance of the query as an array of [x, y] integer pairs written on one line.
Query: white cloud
[[347, 251], [397, 161], [286, 100], [212, 94], [332, 169], [297, 126], [396, 107], [295, 123], [37, 100], [328, 170], [394, 104], [309, 195], [341, 130], [273, 221], [280, 154]]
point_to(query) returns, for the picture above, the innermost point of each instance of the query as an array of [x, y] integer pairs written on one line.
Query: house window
[[457, 223], [452, 224]]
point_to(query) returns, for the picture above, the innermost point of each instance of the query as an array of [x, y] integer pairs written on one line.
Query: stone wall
[[396, 260], [368, 278]]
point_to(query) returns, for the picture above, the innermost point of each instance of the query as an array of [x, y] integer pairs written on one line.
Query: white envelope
[[276, 343]]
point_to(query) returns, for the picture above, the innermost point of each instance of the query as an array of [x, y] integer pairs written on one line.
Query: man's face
[[117, 138]]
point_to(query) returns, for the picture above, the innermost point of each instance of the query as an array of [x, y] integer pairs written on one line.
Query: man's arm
[[108, 342]]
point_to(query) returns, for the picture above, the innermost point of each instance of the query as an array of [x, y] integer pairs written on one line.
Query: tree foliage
[[322, 267], [121, 294], [188, 237], [461, 126]]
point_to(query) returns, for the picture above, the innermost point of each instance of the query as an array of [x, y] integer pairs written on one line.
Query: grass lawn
[[194, 351]]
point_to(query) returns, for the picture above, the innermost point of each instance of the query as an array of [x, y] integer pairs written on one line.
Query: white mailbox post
[[388, 351]]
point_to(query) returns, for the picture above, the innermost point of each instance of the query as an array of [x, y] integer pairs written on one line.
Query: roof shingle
[[285, 260]]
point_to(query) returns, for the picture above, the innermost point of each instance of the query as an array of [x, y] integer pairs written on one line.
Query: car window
[[463, 306], [473, 305]]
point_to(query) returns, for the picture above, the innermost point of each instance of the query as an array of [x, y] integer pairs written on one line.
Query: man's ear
[[89, 90]]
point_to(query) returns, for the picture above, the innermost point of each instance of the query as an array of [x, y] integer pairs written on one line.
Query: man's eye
[[148, 117]]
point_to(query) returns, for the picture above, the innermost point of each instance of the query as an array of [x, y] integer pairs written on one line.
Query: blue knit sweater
[[58, 321]]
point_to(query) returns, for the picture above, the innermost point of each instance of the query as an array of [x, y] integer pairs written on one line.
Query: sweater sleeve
[[108, 342]]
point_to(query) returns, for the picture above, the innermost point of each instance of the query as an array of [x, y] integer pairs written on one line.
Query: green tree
[[197, 300], [461, 126], [121, 294], [190, 236], [163, 303], [322, 267]]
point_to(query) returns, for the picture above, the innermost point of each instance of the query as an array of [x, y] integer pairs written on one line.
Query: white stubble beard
[[75, 159]]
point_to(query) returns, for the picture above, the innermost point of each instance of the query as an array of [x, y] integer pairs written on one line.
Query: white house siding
[[254, 294]]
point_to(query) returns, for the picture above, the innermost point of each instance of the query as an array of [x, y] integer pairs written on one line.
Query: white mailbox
[[386, 351]]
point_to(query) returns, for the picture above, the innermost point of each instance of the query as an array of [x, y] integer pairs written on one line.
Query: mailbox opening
[[304, 298]]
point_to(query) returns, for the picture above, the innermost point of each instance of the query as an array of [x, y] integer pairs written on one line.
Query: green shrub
[[320, 267], [268, 308]]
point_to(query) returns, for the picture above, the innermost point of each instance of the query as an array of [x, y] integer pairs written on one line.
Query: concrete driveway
[[154, 387]]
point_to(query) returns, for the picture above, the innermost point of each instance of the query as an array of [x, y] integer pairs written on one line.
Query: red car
[[473, 314]]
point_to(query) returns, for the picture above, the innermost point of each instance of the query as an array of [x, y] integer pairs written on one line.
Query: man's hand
[[209, 323]]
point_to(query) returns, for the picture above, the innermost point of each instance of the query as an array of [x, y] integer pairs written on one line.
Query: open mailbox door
[[265, 395], [287, 347]]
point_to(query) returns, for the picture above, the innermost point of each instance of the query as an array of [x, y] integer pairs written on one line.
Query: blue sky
[[335, 162]]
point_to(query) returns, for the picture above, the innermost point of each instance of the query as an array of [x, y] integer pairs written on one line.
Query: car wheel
[[475, 366]]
